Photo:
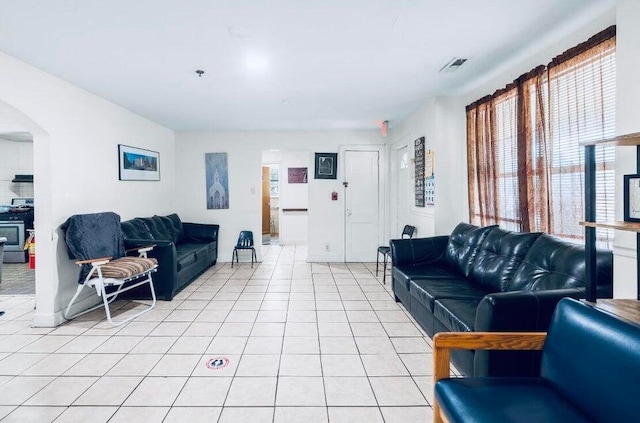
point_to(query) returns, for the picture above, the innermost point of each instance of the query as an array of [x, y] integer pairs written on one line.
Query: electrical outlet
[[327, 247]]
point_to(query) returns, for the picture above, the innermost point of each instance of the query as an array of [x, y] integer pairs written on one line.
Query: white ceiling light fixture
[[453, 65]]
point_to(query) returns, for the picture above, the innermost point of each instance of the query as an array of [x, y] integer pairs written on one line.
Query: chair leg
[[75, 297], [106, 301], [384, 269], [253, 254], [232, 256], [377, 262]]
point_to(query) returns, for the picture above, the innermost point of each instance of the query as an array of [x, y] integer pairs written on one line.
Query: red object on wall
[[334, 196]]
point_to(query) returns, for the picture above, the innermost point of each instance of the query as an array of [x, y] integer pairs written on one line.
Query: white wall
[[627, 111], [75, 165], [15, 158], [294, 225], [442, 122], [325, 217]]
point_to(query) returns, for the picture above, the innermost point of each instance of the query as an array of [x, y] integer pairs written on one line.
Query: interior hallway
[[310, 342]]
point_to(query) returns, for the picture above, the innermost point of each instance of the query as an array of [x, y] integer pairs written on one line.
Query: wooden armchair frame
[[444, 342]]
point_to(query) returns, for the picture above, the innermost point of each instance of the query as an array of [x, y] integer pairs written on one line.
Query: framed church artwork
[[217, 180]]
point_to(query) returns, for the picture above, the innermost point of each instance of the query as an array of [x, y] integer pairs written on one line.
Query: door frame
[[382, 188], [393, 186]]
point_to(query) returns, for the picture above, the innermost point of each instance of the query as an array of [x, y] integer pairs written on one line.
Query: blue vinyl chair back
[[245, 240]]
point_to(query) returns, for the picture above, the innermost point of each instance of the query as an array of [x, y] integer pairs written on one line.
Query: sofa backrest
[[159, 228], [179, 234], [499, 256], [461, 250], [593, 359], [135, 229], [552, 263]]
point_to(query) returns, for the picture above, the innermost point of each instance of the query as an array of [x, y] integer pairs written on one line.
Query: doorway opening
[[270, 204], [17, 267]]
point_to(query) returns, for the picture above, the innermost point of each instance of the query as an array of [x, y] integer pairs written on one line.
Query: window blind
[[582, 108]]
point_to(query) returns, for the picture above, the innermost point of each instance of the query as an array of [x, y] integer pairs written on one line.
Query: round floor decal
[[217, 363]]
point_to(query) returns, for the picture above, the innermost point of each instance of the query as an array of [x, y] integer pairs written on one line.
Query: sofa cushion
[[179, 235], [457, 314], [135, 229], [403, 274], [189, 253], [499, 256], [427, 291], [462, 248], [550, 264], [158, 228], [516, 400]]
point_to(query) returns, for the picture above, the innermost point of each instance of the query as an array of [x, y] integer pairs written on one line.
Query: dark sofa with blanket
[[183, 250], [487, 279]]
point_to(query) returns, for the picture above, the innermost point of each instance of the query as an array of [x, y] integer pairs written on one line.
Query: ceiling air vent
[[453, 65]]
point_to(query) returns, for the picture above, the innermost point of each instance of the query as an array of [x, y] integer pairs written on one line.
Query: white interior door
[[361, 205]]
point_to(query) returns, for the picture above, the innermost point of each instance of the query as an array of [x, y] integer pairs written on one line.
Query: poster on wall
[[217, 174], [429, 178], [297, 175], [419, 171]]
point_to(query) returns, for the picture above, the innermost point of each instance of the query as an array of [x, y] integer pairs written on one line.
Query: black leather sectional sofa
[[486, 279], [183, 250]]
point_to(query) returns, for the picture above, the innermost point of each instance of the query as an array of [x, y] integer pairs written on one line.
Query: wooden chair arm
[[444, 342], [144, 249], [95, 260]]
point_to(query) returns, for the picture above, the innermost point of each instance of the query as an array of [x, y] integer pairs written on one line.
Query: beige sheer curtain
[[533, 151], [524, 152], [491, 160]]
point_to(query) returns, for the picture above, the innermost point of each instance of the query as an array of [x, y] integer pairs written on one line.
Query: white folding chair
[[96, 240]]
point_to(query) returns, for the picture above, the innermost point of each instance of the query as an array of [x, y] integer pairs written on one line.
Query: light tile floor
[[305, 342], [17, 279]]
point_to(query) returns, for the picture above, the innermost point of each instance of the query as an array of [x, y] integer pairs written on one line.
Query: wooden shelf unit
[[614, 224], [590, 223]]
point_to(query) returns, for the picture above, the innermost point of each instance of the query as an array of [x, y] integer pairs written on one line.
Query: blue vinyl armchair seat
[[590, 372]]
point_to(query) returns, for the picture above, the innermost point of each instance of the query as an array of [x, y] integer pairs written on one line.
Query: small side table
[[625, 309]]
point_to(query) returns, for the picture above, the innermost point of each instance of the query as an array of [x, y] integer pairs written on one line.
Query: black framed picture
[[632, 198], [138, 164], [326, 166]]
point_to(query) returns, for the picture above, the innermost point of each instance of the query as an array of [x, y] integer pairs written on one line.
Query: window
[[525, 158], [274, 180]]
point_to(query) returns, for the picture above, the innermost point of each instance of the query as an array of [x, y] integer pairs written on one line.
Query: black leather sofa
[[183, 250], [589, 373], [486, 279]]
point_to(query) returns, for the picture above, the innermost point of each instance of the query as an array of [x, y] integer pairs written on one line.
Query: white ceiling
[[276, 64]]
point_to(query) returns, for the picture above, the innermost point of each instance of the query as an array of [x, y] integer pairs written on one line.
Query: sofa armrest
[[516, 311], [417, 251], [444, 342], [520, 311], [201, 231]]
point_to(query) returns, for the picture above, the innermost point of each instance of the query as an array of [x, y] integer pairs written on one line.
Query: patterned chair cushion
[[126, 267]]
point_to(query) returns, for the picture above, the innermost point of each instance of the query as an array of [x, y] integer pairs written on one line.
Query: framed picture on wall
[[632, 198], [326, 166], [137, 164], [297, 175]]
